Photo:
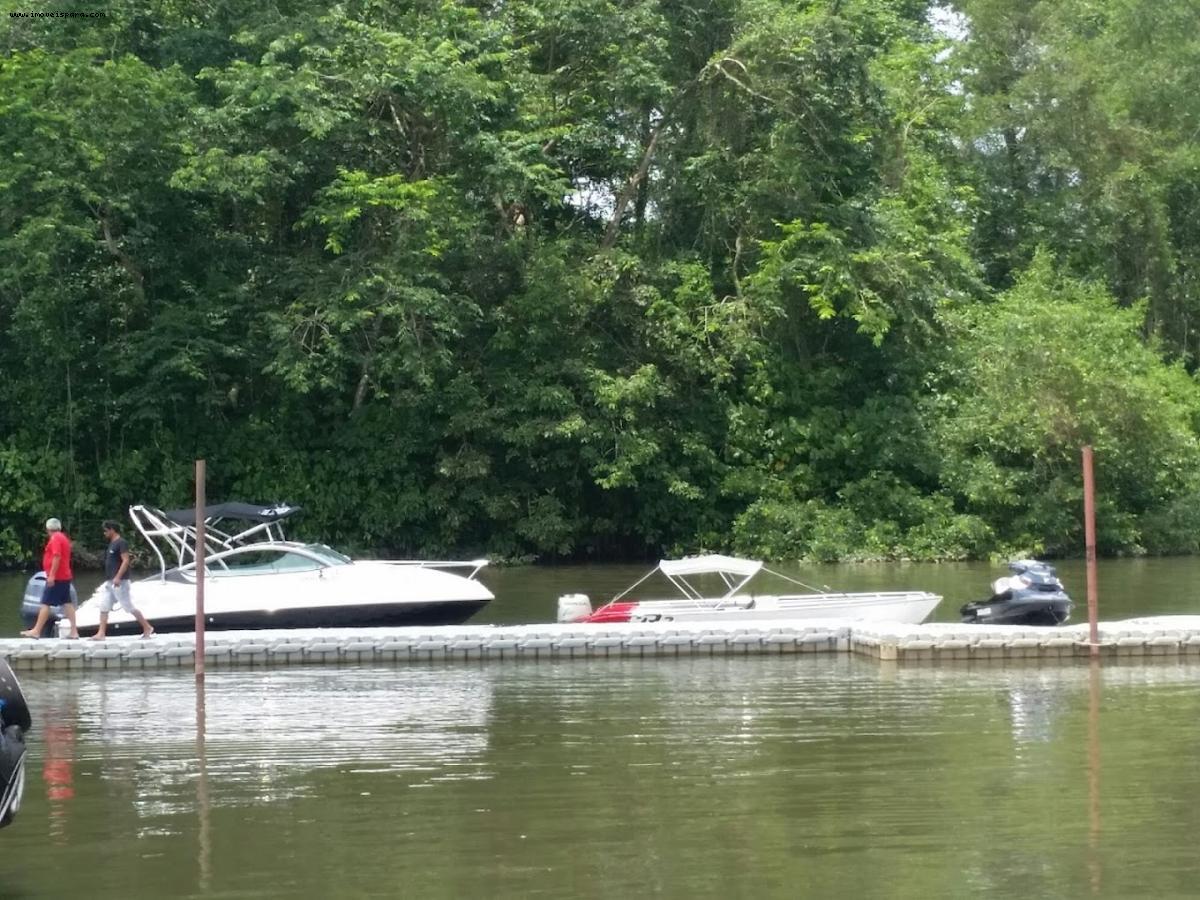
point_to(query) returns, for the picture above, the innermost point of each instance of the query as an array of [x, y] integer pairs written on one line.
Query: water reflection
[[203, 813], [255, 737], [1094, 820], [58, 767], [1035, 701]]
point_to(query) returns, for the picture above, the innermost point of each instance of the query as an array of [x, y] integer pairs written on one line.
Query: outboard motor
[[574, 607], [32, 602], [15, 721], [1032, 595]]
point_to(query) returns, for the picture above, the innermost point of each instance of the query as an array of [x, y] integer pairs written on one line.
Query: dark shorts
[[57, 594]]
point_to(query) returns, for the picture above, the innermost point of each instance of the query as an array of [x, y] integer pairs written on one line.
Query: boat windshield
[[265, 559], [327, 553]]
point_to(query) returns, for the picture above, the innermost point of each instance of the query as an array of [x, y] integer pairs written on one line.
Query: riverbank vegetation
[[830, 279]]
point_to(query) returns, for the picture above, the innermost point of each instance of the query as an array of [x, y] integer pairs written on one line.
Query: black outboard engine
[[1032, 595], [14, 722]]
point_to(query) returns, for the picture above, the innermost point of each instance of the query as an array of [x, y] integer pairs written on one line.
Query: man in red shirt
[[56, 561]]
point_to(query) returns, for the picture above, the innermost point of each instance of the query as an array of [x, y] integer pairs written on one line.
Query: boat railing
[[859, 595], [475, 565]]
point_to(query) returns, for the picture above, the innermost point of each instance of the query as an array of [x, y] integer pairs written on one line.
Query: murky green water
[[753, 777]]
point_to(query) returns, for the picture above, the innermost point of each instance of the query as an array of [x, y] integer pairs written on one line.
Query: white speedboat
[[737, 604], [256, 578]]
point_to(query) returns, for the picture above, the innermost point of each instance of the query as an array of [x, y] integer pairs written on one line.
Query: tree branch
[[627, 192], [114, 247]]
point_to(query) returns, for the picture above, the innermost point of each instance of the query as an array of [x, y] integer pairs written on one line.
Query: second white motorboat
[[736, 604], [254, 578]]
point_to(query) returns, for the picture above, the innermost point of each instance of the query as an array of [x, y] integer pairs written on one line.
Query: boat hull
[[905, 607], [362, 615], [1018, 611], [358, 595]]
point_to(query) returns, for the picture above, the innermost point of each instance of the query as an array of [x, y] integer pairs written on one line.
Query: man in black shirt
[[116, 588]]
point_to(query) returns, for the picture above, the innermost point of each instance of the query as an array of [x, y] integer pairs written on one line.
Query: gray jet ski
[[1032, 595]]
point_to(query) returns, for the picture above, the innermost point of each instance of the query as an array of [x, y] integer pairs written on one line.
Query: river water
[[700, 777]]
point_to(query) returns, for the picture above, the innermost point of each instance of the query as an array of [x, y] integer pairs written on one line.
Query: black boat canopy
[[244, 512]]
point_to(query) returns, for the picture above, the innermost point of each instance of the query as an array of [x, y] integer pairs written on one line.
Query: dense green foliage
[[552, 278]]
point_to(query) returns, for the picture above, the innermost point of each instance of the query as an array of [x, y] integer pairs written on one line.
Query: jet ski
[[15, 721], [1032, 595]]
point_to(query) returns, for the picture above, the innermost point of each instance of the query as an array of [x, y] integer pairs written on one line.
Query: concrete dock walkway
[[1162, 636]]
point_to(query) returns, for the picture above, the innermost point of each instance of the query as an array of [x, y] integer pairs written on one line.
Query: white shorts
[[115, 595]]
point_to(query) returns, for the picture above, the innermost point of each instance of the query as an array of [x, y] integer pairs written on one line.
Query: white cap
[[52, 524]]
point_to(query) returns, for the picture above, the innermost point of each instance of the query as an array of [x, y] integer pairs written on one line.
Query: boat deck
[[1163, 636]]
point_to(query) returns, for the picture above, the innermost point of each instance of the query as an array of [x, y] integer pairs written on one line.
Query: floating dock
[[1163, 636]]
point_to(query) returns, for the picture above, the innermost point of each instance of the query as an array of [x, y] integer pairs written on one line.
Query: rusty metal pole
[[1089, 536], [200, 474]]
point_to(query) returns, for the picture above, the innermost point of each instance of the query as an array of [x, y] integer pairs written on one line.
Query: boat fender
[[574, 607]]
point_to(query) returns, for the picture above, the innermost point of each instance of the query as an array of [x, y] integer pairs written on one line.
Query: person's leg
[[69, 609], [36, 630], [107, 602], [147, 628], [124, 596], [99, 635]]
